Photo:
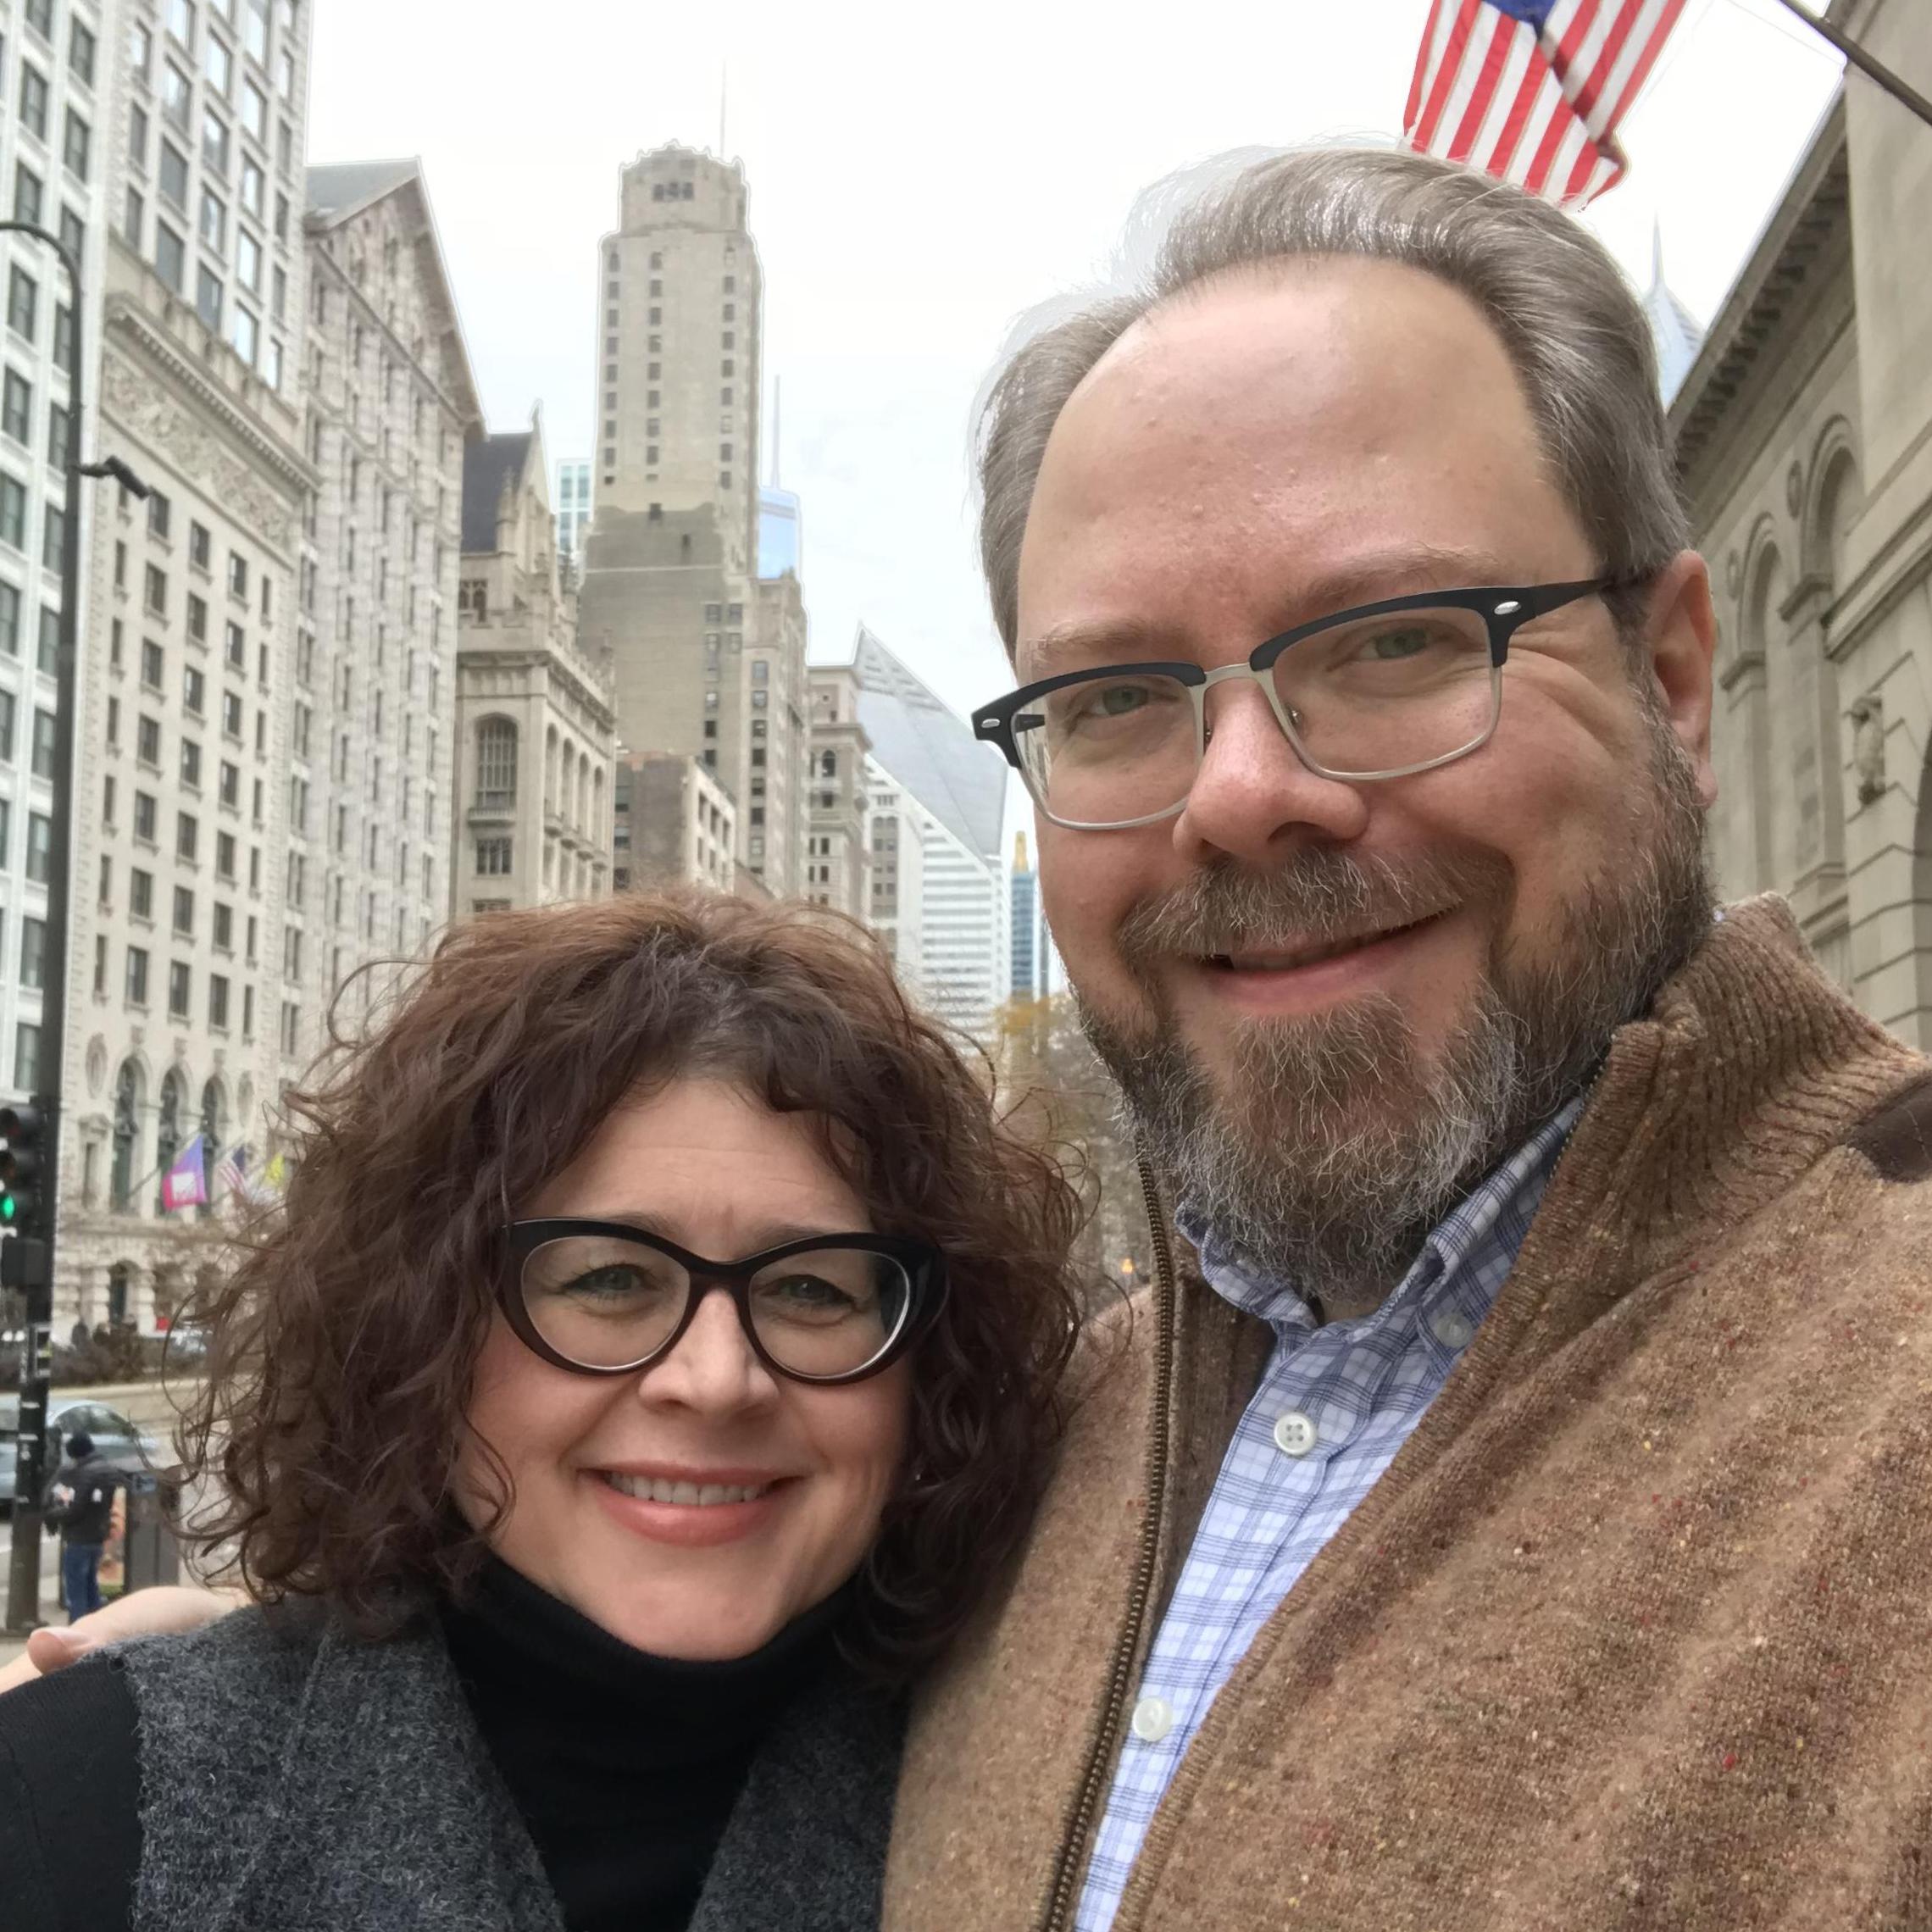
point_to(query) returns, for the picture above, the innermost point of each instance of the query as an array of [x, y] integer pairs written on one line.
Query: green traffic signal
[[19, 1164]]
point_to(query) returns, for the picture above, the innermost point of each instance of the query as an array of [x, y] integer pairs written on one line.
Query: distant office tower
[[534, 716], [573, 509], [837, 859], [709, 663], [206, 666], [1029, 961], [781, 540], [895, 871], [56, 144], [948, 794]]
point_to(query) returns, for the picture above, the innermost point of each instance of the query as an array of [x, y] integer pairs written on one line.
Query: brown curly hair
[[343, 1341]]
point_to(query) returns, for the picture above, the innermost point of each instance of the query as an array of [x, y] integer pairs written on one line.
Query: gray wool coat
[[294, 1777]]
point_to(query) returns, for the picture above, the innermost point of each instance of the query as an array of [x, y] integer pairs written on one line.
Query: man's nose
[[1253, 798]]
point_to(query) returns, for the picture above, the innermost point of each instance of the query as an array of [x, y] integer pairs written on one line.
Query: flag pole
[[1874, 70]]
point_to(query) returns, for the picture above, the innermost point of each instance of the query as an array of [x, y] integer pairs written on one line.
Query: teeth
[[702, 1495]]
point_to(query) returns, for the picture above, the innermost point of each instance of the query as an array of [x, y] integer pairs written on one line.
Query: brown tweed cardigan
[[1636, 1632]]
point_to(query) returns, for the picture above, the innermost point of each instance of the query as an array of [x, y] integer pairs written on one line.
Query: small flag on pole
[[185, 1185], [1532, 90], [231, 1170]]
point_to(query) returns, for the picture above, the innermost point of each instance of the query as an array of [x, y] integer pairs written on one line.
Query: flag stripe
[[1538, 107]]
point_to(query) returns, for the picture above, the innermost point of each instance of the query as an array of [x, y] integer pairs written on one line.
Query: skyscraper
[[709, 662], [937, 784], [202, 642], [1029, 979], [54, 141]]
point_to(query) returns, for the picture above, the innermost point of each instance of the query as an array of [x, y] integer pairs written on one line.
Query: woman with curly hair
[[652, 1363]]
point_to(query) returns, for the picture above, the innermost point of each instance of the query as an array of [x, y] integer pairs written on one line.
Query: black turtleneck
[[624, 1766]]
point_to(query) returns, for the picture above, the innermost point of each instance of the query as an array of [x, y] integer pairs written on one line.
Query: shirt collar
[[1243, 1278]]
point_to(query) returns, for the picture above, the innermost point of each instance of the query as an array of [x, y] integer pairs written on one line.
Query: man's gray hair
[[1569, 321]]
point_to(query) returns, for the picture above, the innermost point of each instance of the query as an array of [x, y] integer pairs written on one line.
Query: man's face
[[1267, 451]]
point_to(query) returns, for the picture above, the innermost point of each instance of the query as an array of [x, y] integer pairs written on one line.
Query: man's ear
[[1679, 642]]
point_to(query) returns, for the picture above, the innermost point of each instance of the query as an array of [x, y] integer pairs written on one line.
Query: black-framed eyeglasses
[[603, 1298], [1383, 691]]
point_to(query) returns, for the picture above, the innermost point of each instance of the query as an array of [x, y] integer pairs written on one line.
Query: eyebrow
[[756, 1240], [1367, 578]]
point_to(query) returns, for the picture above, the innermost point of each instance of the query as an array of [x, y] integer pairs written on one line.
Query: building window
[[40, 846], [177, 989], [496, 763], [493, 858], [137, 976]]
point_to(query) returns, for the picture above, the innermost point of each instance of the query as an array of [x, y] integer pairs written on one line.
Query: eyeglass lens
[[604, 1302], [1371, 695]]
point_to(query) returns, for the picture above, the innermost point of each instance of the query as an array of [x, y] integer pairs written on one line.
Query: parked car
[[115, 1438]]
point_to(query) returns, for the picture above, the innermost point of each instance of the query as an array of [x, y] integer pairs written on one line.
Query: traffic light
[[20, 1167]]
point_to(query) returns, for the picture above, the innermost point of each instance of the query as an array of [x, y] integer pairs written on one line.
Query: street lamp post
[[36, 1269]]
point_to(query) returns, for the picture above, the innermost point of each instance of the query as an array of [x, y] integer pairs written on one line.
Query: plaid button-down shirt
[[1335, 1405]]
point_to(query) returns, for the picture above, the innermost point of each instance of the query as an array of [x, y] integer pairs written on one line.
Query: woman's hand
[[162, 1611]]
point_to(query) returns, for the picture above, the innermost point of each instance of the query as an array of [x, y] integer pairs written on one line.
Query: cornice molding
[[131, 327]]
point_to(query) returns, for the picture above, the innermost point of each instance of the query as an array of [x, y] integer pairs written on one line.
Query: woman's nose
[[713, 1365]]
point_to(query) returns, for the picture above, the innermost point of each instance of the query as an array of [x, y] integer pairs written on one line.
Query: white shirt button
[[1294, 1434], [1153, 1719], [1452, 1328]]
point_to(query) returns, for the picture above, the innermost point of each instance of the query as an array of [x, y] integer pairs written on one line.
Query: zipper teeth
[[1062, 1899]]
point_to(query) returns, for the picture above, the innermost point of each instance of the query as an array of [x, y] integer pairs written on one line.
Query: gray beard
[[1335, 1146]]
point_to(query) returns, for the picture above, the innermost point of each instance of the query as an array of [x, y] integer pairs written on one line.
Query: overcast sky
[[918, 180]]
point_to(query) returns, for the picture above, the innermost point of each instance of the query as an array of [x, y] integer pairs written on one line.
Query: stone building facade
[[838, 850], [535, 717], [676, 825], [192, 659], [1804, 432], [391, 402]]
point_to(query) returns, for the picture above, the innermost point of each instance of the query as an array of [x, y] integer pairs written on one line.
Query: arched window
[[167, 1135], [550, 769], [127, 1133], [496, 763], [583, 792], [828, 764]]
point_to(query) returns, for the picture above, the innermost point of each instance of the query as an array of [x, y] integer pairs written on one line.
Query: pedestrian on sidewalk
[[80, 1504]]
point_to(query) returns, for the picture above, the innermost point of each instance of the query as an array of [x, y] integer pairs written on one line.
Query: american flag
[[1531, 90], [232, 1170]]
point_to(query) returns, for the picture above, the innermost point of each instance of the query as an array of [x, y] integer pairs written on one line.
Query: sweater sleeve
[[70, 1801]]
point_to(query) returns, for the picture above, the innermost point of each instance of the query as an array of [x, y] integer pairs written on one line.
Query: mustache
[[1324, 896]]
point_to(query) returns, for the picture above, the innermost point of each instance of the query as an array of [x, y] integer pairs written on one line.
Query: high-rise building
[[1029, 978], [709, 663], [391, 403], [895, 871], [837, 850], [199, 653], [534, 718], [55, 135], [952, 796], [574, 506]]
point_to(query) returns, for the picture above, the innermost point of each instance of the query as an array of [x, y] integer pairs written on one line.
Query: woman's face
[[703, 1165]]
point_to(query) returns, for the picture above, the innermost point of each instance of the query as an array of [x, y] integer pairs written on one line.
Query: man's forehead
[[1317, 439]]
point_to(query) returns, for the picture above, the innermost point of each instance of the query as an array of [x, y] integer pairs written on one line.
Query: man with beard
[[1519, 1518]]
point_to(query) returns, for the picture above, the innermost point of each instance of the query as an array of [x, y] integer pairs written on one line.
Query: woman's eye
[[602, 1283], [809, 1293]]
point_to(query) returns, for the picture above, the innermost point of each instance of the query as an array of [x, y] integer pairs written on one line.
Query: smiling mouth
[[695, 1496], [1289, 959]]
